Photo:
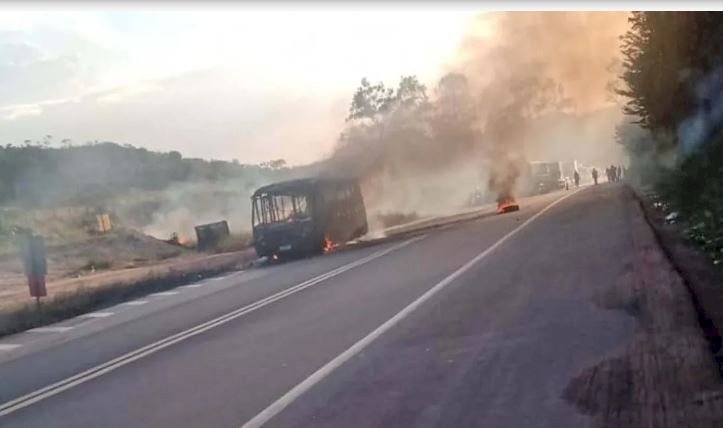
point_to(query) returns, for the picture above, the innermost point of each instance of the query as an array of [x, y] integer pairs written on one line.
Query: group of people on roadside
[[614, 173]]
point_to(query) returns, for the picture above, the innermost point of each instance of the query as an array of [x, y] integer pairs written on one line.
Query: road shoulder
[[666, 375]]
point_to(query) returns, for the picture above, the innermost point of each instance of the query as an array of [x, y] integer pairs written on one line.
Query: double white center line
[[99, 370]]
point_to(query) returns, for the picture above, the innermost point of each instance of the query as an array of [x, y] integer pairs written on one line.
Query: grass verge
[[82, 300]]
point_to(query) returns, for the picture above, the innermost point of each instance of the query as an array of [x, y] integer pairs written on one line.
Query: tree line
[[37, 175], [673, 83]]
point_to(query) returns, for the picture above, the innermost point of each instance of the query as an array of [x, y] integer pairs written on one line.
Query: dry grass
[[236, 242], [82, 300]]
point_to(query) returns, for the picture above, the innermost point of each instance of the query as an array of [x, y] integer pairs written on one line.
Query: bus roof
[[299, 184]]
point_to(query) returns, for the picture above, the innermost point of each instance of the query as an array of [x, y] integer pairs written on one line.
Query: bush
[[695, 191]]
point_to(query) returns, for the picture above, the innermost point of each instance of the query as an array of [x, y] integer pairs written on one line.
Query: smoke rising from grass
[[707, 119]]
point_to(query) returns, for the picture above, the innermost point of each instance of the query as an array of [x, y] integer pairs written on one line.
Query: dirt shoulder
[[702, 278], [666, 376]]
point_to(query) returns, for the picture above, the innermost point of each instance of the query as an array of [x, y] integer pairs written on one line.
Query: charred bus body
[[306, 216]]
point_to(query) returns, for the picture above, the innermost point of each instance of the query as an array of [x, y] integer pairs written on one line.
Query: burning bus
[[306, 216]]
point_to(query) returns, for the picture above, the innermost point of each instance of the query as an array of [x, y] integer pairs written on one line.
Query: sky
[[244, 83]]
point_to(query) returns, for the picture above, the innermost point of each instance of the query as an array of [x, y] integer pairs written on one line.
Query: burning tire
[[507, 204]]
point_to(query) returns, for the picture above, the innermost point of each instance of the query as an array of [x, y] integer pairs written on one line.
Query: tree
[[274, 165], [370, 101], [410, 93], [454, 104], [664, 55], [175, 156]]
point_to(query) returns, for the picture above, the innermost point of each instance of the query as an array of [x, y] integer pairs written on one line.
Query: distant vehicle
[[306, 216], [568, 170], [546, 176]]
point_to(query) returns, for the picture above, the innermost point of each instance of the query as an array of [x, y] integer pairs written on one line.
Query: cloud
[[248, 84], [25, 76], [212, 113], [16, 111], [126, 93]]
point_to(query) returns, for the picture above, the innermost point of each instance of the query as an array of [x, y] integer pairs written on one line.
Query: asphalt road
[[478, 324]]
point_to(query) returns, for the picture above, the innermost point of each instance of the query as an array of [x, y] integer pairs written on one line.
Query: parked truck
[[545, 177]]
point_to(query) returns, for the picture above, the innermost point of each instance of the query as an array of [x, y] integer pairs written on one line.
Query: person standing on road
[[594, 175], [576, 177]]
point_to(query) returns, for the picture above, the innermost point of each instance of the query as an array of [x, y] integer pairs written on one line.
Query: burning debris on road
[[506, 204], [502, 179]]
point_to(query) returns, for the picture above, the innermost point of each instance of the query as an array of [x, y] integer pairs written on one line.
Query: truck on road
[[545, 176]]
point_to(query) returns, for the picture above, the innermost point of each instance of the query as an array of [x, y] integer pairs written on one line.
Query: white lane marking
[[136, 302], [97, 315], [58, 329], [191, 286], [279, 405], [101, 369], [219, 278], [8, 346], [164, 294]]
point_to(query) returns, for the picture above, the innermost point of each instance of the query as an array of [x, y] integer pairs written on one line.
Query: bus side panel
[[337, 209], [319, 216], [360, 211]]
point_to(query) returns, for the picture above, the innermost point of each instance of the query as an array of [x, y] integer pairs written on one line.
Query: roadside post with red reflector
[[35, 265]]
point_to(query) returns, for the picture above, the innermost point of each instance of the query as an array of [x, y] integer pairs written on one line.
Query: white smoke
[[707, 119]]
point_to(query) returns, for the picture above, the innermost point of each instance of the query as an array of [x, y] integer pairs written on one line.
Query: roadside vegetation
[[68, 304], [673, 76]]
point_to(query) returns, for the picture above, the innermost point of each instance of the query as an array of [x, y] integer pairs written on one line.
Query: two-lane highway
[[480, 324]]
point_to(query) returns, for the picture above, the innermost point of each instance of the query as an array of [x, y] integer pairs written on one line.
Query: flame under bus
[[306, 216]]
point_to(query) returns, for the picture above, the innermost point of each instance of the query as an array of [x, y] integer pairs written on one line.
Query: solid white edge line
[[135, 302], [99, 370], [279, 405]]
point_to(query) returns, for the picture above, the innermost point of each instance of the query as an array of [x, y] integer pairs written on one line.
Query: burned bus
[[305, 216]]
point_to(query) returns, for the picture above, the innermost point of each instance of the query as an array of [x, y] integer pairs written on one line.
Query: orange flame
[[506, 205], [329, 245]]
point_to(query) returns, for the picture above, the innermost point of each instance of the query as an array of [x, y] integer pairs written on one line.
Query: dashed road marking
[[164, 294], [136, 302], [191, 286], [56, 329], [97, 315], [8, 346], [101, 369]]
